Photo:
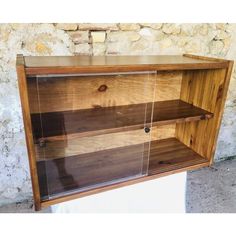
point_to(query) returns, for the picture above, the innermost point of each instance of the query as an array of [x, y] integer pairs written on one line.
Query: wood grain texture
[[28, 129], [163, 132], [88, 64], [56, 200], [170, 154], [48, 94], [82, 172], [77, 146], [83, 92], [89, 122], [167, 85], [206, 89]]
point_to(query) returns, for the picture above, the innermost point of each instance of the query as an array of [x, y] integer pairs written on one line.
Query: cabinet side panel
[[206, 89], [28, 133]]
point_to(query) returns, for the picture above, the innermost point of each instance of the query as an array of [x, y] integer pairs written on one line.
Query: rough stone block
[[216, 47], [193, 46], [89, 26], [79, 36], [99, 49], [122, 47], [67, 26], [152, 25], [120, 36], [221, 34], [98, 36], [129, 27], [150, 34], [42, 48], [201, 29], [221, 26], [171, 29], [83, 49], [166, 43], [187, 29]]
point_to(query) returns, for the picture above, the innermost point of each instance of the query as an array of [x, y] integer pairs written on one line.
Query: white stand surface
[[162, 195]]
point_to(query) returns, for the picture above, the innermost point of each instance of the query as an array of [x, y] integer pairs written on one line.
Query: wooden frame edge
[[32, 71], [74, 196], [20, 68], [228, 75], [205, 58]]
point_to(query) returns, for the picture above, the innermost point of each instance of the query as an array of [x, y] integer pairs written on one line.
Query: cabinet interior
[[89, 129]]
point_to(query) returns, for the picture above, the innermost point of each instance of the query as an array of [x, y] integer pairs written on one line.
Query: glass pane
[[90, 130]]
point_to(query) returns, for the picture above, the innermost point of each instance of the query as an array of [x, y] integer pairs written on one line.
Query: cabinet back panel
[[77, 146], [72, 93], [168, 85]]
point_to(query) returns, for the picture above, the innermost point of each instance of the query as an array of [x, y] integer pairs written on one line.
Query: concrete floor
[[21, 207], [212, 190], [209, 190]]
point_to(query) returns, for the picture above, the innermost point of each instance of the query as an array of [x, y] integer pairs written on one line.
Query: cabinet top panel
[[85, 64]]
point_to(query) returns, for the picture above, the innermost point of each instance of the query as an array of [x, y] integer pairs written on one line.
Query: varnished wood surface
[[170, 154], [54, 93], [206, 89], [86, 64], [88, 170], [72, 196], [62, 93], [28, 129], [82, 145], [80, 123], [215, 59]]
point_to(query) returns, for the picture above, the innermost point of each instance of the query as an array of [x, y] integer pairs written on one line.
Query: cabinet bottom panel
[[77, 174], [171, 154]]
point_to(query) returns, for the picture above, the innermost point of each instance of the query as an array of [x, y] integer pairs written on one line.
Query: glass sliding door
[[90, 130]]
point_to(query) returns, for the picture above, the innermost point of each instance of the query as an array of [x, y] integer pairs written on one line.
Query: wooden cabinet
[[98, 123]]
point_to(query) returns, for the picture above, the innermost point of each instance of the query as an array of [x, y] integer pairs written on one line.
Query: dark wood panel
[[75, 195], [170, 154], [81, 171], [78, 123], [78, 172]]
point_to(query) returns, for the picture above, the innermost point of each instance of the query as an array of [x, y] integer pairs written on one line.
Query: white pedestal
[[162, 195]]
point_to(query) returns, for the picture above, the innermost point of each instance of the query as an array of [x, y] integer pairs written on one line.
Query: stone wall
[[217, 40]]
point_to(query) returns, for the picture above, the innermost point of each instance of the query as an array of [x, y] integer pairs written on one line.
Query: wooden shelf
[[170, 154], [102, 120], [76, 173]]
